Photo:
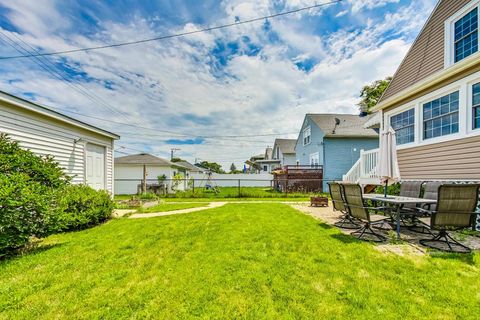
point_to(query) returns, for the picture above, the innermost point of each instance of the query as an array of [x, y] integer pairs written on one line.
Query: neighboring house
[[333, 141], [266, 163], [191, 167], [433, 101], [84, 152], [284, 151], [129, 172]]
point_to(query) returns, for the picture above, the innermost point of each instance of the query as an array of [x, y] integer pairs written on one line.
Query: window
[[466, 35], [440, 116], [265, 168], [476, 105], [315, 159], [404, 126], [306, 135]]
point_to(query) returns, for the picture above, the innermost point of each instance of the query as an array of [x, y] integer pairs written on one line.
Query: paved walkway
[[210, 205]]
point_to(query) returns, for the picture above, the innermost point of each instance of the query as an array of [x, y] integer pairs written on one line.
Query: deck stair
[[364, 171]]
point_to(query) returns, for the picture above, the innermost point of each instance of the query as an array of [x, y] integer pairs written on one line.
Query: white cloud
[[358, 5], [155, 84]]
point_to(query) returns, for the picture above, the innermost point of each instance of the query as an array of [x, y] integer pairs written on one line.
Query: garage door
[[96, 166]]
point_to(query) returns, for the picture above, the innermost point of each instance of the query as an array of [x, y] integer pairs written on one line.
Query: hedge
[[37, 198]]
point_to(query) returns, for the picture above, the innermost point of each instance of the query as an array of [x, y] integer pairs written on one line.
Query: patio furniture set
[[431, 208]]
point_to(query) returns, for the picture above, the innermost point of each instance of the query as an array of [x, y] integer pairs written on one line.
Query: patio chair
[[338, 201], [455, 210], [430, 192], [357, 209]]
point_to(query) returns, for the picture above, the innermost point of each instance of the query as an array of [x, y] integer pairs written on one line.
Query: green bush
[[27, 210], [43, 170], [392, 189], [82, 207], [36, 198]]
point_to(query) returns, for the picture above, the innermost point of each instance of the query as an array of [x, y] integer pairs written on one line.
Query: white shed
[[85, 152], [129, 172]]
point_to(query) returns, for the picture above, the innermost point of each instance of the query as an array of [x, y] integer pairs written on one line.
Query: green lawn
[[250, 261], [163, 207], [234, 192]]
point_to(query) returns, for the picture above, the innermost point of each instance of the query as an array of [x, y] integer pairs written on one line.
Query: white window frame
[[402, 109], [315, 155], [470, 105], [450, 32], [465, 112], [309, 136]]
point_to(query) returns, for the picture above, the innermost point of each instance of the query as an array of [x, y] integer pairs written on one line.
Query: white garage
[[130, 170], [84, 151]]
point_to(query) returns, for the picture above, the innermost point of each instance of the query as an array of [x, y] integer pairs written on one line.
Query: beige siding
[[48, 136], [456, 159], [426, 55]]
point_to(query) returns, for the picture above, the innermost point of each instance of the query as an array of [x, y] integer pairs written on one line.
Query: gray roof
[[190, 166], [351, 125], [286, 145], [145, 158]]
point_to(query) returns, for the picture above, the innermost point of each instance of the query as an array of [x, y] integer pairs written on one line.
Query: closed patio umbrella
[[387, 158]]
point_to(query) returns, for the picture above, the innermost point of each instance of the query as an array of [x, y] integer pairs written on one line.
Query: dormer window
[[462, 33], [466, 35]]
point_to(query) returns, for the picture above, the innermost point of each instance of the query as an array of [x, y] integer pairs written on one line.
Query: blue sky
[[207, 94]]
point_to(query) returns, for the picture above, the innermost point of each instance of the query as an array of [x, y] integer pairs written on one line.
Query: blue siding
[[316, 140], [342, 153]]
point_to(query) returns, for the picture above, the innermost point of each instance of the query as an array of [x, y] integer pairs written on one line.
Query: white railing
[[364, 169], [353, 175], [369, 161]]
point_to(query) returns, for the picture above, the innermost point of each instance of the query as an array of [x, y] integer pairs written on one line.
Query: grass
[[252, 261], [232, 193], [164, 207]]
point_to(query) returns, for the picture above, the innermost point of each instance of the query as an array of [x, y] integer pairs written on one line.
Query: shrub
[[82, 207], [14, 159], [28, 197], [27, 210]]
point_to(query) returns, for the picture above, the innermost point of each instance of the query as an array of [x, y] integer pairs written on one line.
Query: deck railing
[[365, 168]]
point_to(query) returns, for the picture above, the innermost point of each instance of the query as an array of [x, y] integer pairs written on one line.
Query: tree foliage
[[212, 166], [371, 94]]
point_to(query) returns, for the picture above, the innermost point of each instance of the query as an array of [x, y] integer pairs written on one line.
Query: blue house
[[333, 141]]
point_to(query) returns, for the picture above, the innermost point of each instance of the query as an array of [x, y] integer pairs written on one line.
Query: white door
[[96, 166]]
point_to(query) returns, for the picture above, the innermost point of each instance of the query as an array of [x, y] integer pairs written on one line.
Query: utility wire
[[44, 64], [182, 34]]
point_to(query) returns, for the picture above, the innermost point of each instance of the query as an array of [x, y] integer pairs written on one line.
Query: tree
[[176, 160], [212, 166], [233, 168], [371, 94]]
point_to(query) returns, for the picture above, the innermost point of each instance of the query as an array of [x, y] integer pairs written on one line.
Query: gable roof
[[426, 55], [145, 158], [44, 111], [286, 146], [190, 166], [351, 125]]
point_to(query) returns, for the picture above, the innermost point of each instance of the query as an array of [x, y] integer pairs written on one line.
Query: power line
[[182, 34], [170, 132], [43, 64]]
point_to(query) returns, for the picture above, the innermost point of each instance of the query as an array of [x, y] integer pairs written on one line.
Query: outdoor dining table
[[397, 203]]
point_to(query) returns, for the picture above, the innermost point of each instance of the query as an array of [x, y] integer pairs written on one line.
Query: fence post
[[193, 185], [286, 188], [239, 192]]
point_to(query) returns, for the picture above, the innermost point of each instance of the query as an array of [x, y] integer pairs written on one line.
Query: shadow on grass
[[325, 226], [467, 258], [345, 238], [31, 249]]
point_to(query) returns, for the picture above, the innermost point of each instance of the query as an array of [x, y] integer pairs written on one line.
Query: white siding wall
[[128, 177], [47, 136], [231, 180]]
